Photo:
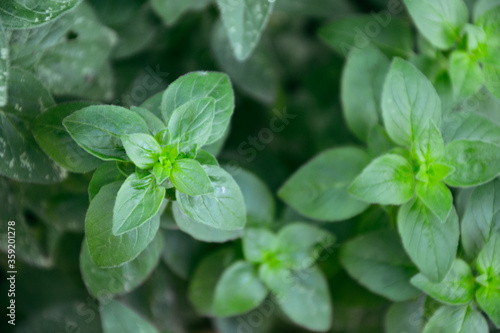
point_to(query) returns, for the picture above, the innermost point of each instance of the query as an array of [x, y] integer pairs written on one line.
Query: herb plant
[[143, 143]]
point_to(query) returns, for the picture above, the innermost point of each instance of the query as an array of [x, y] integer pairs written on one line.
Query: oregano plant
[[144, 145]]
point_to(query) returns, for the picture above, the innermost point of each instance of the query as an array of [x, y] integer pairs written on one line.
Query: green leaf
[[223, 209], [466, 74], [379, 262], [364, 74], [489, 300], [439, 21], [429, 145], [387, 180], [239, 290], [319, 189], [437, 197], [105, 174], [137, 201], [475, 162], [206, 158], [197, 85], [98, 129], [200, 231], [142, 149], [492, 78], [20, 156], [118, 318], [244, 22], [106, 249], [170, 11], [470, 126], [191, 123], [15, 14], [257, 76], [357, 32], [300, 244], [303, 296], [205, 278], [430, 242], [76, 66], [259, 244], [406, 317], [105, 282], [154, 123], [4, 65], [259, 201], [456, 319], [189, 177], [488, 260], [409, 103], [55, 141], [481, 218], [457, 286]]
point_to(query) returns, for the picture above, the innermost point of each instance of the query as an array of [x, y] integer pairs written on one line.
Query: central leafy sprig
[[157, 147]]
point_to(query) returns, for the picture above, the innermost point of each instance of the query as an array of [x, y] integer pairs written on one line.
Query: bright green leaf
[[437, 197], [430, 242], [475, 162], [189, 177], [428, 146], [142, 149], [223, 209], [489, 300], [197, 85], [106, 249], [387, 180], [409, 103], [98, 129], [137, 201], [191, 123]]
